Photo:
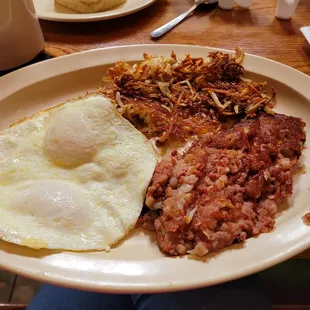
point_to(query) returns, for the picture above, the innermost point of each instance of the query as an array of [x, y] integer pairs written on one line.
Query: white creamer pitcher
[[21, 37]]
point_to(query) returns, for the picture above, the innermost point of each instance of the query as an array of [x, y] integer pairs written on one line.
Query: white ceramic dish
[[47, 10], [136, 264]]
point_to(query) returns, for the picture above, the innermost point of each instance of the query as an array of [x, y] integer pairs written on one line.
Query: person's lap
[[52, 297], [242, 294]]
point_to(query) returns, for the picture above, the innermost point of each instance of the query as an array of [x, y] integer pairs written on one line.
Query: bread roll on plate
[[89, 6]]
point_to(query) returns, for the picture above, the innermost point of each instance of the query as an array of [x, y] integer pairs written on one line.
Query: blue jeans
[[243, 294]]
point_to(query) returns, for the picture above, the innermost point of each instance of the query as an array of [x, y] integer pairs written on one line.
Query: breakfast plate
[[136, 264], [46, 9]]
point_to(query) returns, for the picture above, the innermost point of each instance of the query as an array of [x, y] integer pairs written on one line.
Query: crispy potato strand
[[174, 99]]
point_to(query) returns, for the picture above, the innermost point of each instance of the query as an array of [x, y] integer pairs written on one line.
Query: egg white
[[73, 177]]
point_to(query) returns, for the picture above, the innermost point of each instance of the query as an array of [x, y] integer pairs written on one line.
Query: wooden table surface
[[257, 30]]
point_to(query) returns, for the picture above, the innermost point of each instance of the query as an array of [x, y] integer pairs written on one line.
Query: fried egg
[[73, 177]]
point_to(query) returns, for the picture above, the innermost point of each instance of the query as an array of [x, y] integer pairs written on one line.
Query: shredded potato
[[174, 99]]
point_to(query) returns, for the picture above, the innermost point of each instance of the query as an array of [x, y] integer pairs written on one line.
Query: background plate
[[136, 264], [47, 10]]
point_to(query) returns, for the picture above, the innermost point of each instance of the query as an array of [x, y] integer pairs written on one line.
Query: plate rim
[[120, 288], [91, 17], [73, 65], [76, 65]]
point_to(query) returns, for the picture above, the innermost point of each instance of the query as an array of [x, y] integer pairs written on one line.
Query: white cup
[[286, 8], [226, 4], [244, 3], [21, 37]]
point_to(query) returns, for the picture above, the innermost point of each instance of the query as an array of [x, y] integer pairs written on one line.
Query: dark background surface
[[42, 56]]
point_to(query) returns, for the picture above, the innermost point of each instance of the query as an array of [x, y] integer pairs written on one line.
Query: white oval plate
[[136, 264], [47, 10]]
